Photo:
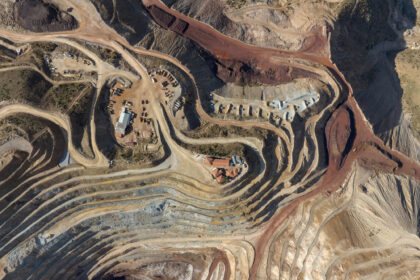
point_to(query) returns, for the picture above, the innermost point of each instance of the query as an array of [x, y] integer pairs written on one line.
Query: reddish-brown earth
[[316, 42], [236, 61], [220, 257], [381, 158], [348, 134]]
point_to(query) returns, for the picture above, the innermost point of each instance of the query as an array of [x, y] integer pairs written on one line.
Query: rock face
[[38, 16], [364, 43]]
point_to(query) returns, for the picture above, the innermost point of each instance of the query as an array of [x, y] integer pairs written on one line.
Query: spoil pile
[[38, 16]]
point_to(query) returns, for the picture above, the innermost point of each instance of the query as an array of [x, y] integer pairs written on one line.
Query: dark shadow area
[[79, 118], [48, 149], [40, 16], [364, 47], [128, 18], [105, 139], [142, 30], [351, 137]]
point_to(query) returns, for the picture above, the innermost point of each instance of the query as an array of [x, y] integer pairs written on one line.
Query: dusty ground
[[323, 197], [408, 72]]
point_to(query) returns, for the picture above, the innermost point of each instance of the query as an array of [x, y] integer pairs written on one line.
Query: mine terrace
[[206, 140]]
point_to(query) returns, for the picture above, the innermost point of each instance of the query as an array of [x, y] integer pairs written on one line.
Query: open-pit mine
[[211, 139]]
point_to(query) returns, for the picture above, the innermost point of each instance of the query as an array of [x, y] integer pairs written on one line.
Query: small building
[[122, 123], [146, 134], [217, 162], [289, 115], [221, 162], [237, 160], [232, 173], [220, 179], [119, 85], [279, 105], [217, 172], [309, 102], [208, 161], [301, 106], [177, 105]]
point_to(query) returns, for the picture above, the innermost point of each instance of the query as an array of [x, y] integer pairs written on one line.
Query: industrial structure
[[122, 123]]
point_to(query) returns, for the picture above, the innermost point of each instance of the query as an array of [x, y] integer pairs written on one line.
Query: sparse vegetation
[[214, 130], [29, 124], [61, 97], [79, 115], [218, 150], [237, 4], [136, 156], [410, 56], [408, 65], [366, 21], [24, 86], [43, 47]]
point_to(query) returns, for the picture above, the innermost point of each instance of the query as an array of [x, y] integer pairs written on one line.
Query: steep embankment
[[366, 37]]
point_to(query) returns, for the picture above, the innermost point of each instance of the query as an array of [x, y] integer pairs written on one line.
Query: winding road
[[240, 220]]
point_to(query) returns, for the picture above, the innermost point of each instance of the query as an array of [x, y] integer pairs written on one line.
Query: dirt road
[[60, 120], [340, 164], [349, 136]]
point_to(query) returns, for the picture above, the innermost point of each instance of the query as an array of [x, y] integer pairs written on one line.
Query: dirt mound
[[38, 16]]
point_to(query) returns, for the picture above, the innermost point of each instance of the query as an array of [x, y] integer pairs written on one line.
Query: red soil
[[339, 138], [220, 257], [235, 60], [317, 42]]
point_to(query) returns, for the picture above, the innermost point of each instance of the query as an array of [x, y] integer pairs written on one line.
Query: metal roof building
[[122, 123]]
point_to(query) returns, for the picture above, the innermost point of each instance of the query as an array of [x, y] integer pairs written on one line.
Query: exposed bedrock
[[39, 16]]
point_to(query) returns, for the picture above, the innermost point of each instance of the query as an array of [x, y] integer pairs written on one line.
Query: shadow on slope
[[364, 46]]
